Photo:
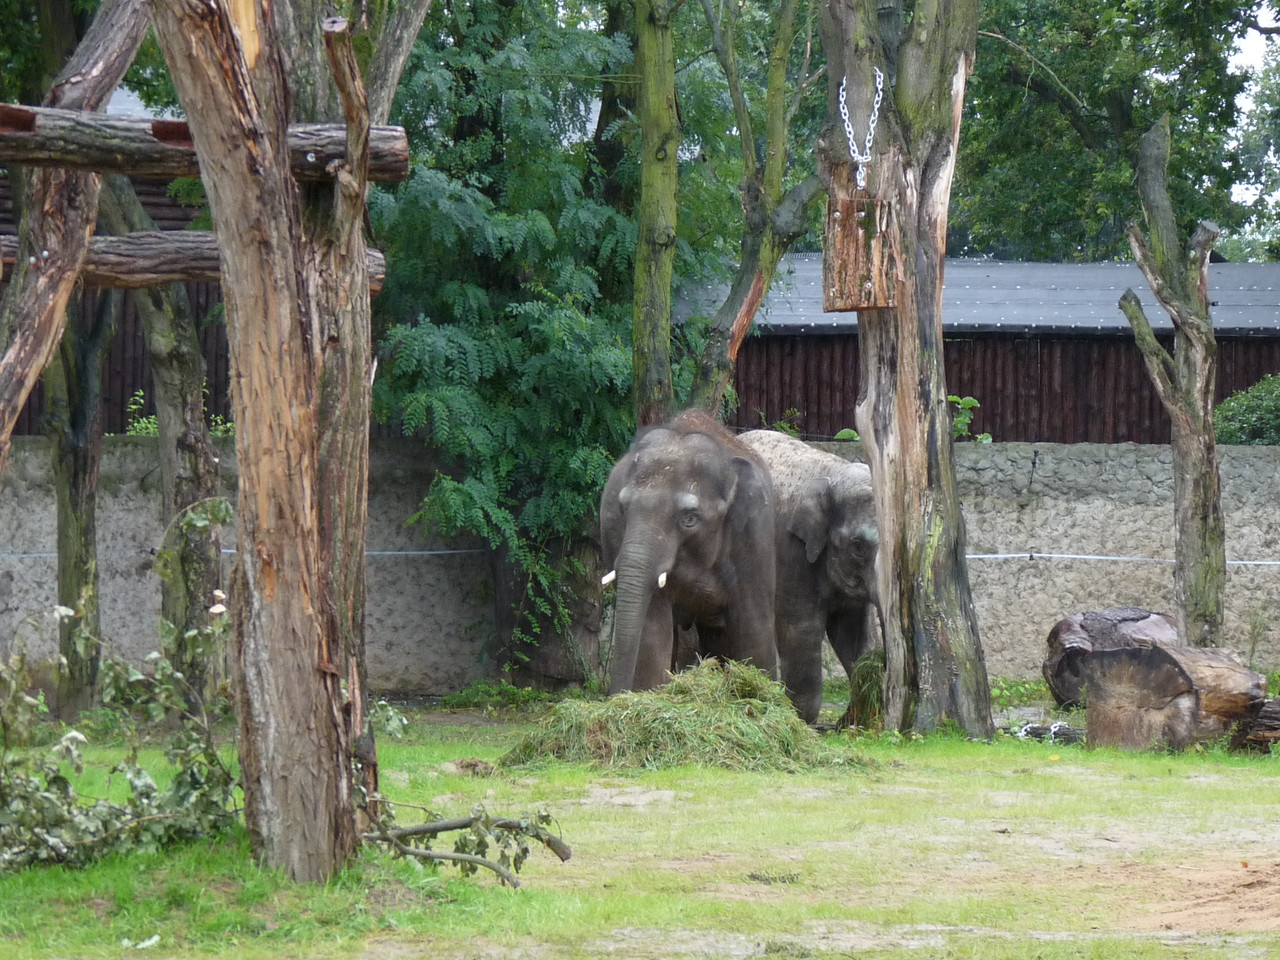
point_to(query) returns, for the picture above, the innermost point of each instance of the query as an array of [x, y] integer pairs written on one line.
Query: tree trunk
[[190, 558], [155, 257], [296, 775], [59, 211], [1186, 383], [934, 666], [656, 226], [298, 326], [162, 149], [772, 217], [73, 420]]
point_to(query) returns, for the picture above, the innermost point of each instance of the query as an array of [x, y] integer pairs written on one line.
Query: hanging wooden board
[[857, 267]]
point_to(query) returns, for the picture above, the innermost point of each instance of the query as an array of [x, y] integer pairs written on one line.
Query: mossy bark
[[1186, 383], [656, 220], [935, 671], [190, 558], [773, 217]]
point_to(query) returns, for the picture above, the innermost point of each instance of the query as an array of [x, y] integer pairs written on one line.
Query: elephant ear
[[810, 516], [748, 491]]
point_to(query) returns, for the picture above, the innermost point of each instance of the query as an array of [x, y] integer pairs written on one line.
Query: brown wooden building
[[1043, 347]]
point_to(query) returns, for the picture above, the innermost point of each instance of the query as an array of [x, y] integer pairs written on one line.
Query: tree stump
[[1081, 634], [1143, 696], [1265, 729], [1137, 698]]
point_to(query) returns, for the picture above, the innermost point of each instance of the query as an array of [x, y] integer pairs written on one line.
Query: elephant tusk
[[608, 578], [662, 579]]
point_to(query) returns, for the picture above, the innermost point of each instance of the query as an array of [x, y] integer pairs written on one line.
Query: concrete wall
[[431, 609], [430, 614], [1107, 500]]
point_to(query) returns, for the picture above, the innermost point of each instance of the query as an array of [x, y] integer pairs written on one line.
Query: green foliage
[[962, 416], [486, 694], [714, 714], [140, 424], [1016, 692], [1051, 125], [1251, 416], [44, 820]]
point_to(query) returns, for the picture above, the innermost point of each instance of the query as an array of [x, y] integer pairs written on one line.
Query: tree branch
[[789, 219], [1158, 360], [722, 44]]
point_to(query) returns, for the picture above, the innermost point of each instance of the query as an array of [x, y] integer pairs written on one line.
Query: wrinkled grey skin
[[826, 541], [688, 501]]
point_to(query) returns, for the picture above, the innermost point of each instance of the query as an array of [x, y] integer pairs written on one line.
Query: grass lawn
[[924, 848]]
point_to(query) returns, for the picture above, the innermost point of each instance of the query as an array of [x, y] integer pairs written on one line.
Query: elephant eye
[[689, 518]]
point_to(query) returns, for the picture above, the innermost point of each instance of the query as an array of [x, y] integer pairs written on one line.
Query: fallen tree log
[[149, 259], [1265, 730], [1138, 698], [1143, 696], [1081, 634], [142, 147]]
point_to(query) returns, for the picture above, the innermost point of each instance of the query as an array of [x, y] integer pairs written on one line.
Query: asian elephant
[[826, 541], [687, 531]]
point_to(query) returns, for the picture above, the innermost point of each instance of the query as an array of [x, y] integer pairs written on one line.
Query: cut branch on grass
[[517, 829]]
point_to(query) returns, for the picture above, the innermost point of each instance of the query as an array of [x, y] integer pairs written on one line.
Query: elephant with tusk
[[687, 531]]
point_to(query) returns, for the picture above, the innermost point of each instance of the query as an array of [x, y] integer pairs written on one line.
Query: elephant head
[[686, 528], [834, 516]]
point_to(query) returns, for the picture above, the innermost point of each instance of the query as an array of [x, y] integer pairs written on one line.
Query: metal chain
[[864, 158]]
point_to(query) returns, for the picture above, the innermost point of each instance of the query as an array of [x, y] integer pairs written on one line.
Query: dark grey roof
[[993, 296]]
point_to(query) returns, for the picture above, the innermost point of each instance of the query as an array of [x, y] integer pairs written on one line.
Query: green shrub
[[485, 693], [1252, 415]]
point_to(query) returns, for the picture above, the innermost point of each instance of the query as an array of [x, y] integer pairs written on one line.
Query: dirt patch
[[626, 797], [1216, 895]]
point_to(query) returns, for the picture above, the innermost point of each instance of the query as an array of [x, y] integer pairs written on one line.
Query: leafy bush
[[484, 693], [1252, 415], [1014, 692], [714, 714]]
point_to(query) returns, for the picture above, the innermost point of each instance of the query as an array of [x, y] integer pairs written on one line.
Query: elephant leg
[[653, 659], [800, 650], [850, 638]]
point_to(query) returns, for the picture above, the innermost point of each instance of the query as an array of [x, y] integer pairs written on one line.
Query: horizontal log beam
[[139, 147], [150, 259]]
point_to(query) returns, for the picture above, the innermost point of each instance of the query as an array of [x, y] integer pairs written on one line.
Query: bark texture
[[934, 666], [773, 217], [656, 226], [1185, 382], [150, 258], [59, 211], [190, 558], [296, 773], [163, 149]]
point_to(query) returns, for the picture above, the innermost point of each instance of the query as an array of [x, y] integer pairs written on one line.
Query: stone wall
[[430, 613], [1061, 503], [431, 617]]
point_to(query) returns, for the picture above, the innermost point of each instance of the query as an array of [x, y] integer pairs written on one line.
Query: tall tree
[[904, 78], [659, 120], [1062, 92], [191, 554], [295, 281], [773, 215], [59, 209], [1186, 382]]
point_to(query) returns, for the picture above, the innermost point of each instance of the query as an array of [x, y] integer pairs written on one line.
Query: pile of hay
[[714, 714]]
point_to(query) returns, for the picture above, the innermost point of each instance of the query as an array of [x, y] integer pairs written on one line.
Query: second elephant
[[826, 540]]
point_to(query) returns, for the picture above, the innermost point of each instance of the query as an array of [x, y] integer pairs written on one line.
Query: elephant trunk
[[637, 579]]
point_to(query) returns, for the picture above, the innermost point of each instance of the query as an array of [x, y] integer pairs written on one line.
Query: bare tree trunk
[[59, 211], [772, 217], [296, 774], [1186, 383], [190, 558], [935, 670], [656, 227], [73, 421], [298, 325]]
